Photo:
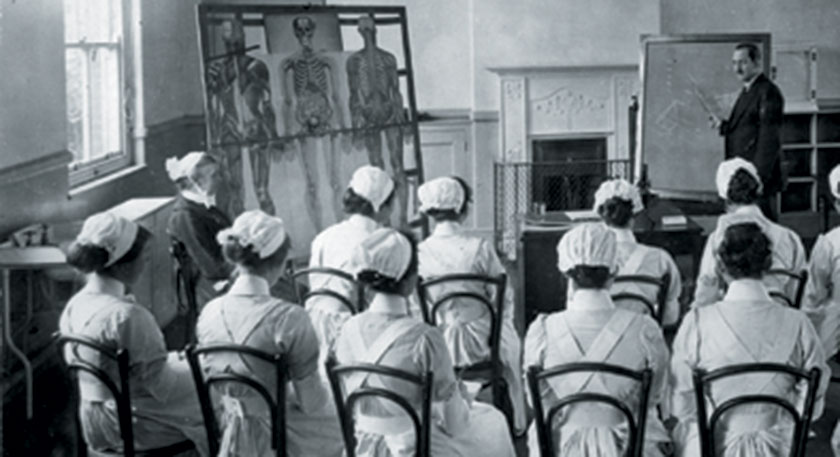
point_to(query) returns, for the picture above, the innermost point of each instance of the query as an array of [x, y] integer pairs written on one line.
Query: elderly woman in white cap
[[820, 302], [248, 315], [746, 326], [593, 329], [195, 219], [112, 252], [739, 185], [617, 202], [368, 203], [465, 322], [385, 334]]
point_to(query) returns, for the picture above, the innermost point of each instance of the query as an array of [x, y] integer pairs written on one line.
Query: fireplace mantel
[[564, 102]]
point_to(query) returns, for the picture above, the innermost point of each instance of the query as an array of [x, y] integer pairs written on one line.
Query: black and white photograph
[[432, 228]]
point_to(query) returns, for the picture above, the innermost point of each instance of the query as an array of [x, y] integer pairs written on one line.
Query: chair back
[[185, 277], [657, 308], [120, 388], [346, 401], [204, 382], [801, 280], [544, 418], [708, 423], [491, 369], [342, 275]]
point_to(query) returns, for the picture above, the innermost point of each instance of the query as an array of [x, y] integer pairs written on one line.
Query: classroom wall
[[804, 21], [32, 117]]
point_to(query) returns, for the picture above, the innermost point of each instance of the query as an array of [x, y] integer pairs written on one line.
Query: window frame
[[84, 172]]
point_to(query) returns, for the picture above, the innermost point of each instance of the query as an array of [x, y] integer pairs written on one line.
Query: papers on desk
[[673, 222]]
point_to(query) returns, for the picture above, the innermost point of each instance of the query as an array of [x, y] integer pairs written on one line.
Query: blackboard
[[684, 78]]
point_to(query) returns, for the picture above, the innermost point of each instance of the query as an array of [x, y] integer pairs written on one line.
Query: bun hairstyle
[[746, 252], [354, 203], [249, 258], [90, 258], [616, 212], [386, 284], [743, 189], [589, 277]]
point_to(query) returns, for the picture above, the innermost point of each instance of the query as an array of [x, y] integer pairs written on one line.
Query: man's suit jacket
[[754, 131]]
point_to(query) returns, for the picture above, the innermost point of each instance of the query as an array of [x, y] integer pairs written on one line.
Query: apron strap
[[378, 348]]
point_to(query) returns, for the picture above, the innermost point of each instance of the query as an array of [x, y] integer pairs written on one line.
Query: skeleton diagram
[[241, 114], [376, 106], [311, 106]]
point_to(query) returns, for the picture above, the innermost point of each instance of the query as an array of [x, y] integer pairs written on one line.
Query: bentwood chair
[[353, 303], [545, 415], [205, 381], [119, 387], [707, 424], [657, 308], [801, 280], [488, 372], [347, 401]]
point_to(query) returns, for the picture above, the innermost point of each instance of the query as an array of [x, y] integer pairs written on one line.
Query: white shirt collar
[[751, 210], [623, 235], [101, 284], [388, 304], [748, 84], [247, 284], [362, 221], [201, 199], [747, 290], [447, 228], [590, 300]]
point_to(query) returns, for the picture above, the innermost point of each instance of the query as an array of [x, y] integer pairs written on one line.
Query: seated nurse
[[617, 201], [112, 253], [739, 185], [593, 329], [465, 322], [247, 314], [385, 334], [746, 326]]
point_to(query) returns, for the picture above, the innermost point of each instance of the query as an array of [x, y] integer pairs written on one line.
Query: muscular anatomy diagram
[[241, 114], [376, 106], [311, 106]]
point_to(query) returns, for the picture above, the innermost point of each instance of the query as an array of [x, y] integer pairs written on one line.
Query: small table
[[544, 287]]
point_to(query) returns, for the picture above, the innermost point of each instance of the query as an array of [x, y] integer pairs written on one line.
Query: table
[[544, 287]]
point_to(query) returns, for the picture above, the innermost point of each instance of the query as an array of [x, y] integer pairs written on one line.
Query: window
[[94, 55]]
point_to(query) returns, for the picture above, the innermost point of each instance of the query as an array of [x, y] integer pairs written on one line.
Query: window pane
[[92, 21], [105, 103], [74, 68]]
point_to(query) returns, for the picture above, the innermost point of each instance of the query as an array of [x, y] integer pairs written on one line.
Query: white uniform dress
[[465, 322], [248, 315], [820, 302], [593, 329], [747, 326], [333, 248], [163, 399], [635, 258], [405, 343], [788, 254]]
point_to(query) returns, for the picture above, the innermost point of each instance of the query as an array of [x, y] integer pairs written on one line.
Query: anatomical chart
[[291, 114]]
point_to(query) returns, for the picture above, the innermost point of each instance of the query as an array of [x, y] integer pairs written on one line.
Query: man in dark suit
[[754, 128]]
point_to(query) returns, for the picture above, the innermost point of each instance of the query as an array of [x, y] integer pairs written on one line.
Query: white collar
[[248, 284], [202, 199], [623, 235], [590, 300], [388, 304], [447, 228], [747, 289], [362, 221], [748, 84], [749, 210], [101, 284]]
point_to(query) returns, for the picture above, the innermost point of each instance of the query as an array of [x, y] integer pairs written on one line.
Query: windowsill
[[105, 180]]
